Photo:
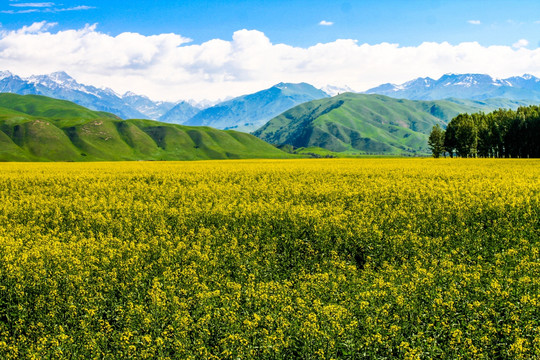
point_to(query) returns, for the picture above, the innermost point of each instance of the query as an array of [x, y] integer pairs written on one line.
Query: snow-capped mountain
[[253, 111], [333, 90], [205, 104], [5, 74], [464, 86], [152, 109], [61, 80], [60, 85]]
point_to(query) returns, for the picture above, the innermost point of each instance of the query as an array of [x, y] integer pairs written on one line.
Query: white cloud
[[169, 67], [326, 23], [38, 5], [75, 8], [45, 7], [27, 11], [474, 22], [520, 44]]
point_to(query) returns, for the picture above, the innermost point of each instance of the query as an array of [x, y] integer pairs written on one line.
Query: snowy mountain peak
[[132, 94], [334, 90], [55, 79], [427, 81], [530, 77], [466, 79], [5, 74], [465, 86], [61, 77], [203, 104]]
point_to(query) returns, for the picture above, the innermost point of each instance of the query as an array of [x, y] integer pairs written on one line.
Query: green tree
[[466, 136], [450, 140], [502, 133], [436, 141]]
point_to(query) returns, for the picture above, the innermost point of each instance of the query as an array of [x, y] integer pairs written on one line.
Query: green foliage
[[37, 128], [436, 141], [502, 133]]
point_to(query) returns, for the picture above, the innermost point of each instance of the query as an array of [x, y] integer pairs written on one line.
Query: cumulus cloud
[[326, 23], [520, 44], [171, 67], [474, 22]]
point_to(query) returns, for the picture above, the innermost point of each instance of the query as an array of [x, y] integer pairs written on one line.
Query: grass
[[362, 124], [38, 128]]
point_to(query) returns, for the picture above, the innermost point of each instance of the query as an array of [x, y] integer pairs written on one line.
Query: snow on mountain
[[333, 90], [60, 85], [152, 109], [465, 86], [204, 104], [5, 74]]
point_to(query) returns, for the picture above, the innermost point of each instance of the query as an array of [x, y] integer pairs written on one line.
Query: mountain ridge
[[353, 123], [463, 86], [131, 105], [62, 86], [249, 112]]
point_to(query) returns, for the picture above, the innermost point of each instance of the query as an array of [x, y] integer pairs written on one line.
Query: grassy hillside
[[37, 128], [361, 124]]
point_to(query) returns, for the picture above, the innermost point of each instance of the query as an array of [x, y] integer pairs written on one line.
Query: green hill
[[363, 124], [37, 128]]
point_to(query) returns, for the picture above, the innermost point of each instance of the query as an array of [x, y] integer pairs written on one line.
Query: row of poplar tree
[[501, 133]]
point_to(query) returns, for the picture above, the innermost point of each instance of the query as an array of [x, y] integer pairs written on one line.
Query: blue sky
[[297, 22], [183, 49]]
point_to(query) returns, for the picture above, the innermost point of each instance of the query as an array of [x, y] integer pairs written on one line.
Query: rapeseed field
[[271, 259]]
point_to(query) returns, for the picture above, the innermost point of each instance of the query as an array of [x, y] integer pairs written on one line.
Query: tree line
[[500, 134]]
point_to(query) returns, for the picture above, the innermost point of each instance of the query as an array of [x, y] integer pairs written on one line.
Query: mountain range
[[464, 86], [250, 112], [367, 123], [60, 85], [389, 119], [245, 113], [38, 128]]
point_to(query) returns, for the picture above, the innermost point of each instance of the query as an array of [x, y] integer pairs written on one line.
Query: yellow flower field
[[271, 259]]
